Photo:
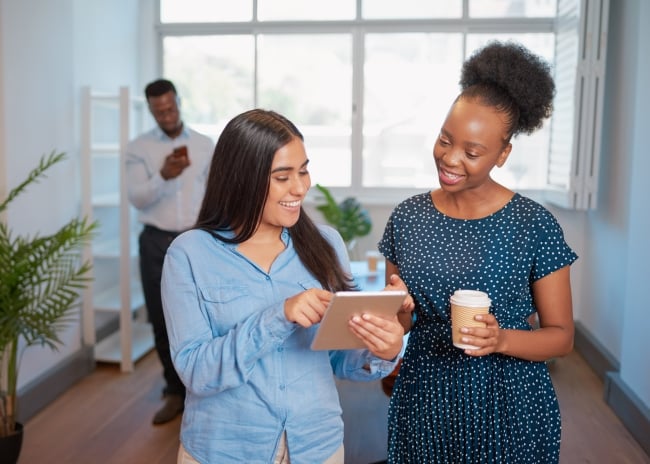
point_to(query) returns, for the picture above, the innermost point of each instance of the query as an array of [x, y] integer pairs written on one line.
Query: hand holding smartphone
[[175, 163], [181, 152]]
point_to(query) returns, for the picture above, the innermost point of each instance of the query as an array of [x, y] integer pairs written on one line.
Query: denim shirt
[[250, 374]]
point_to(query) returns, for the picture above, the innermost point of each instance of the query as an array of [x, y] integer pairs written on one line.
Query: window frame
[[590, 28]]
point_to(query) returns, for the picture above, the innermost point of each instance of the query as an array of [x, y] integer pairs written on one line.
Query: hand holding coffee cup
[[465, 304]]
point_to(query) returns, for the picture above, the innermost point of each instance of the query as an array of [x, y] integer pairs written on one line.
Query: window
[[369, 82]]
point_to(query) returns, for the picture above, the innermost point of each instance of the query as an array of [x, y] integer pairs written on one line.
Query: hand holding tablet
[[334, 333]]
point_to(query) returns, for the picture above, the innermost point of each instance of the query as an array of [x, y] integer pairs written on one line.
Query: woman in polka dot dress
[[494, 404]]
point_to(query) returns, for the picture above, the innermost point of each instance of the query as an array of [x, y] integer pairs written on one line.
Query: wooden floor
[[106, 419]]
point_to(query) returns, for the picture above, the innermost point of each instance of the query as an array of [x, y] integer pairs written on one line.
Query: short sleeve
[[386, 245], [552, 251]]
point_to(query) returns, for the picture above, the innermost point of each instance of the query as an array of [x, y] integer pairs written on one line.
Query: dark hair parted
[[513, 80], [238, 185], [159, 87]]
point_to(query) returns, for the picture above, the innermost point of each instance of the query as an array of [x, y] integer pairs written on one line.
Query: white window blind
[[581, 45]]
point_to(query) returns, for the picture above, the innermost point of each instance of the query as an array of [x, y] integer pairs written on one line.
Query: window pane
[[282, 10], [412, 9], [213, 76], [512, 8], [528, 163], [410, 81], [204, 11], [308, 78]]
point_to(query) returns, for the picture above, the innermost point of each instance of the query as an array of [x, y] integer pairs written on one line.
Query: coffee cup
[[372, 258], [465, 304]]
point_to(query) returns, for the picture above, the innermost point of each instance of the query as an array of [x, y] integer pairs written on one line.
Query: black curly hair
[[513, 80]]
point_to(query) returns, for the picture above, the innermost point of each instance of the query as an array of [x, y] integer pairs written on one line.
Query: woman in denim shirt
[[243, 292]]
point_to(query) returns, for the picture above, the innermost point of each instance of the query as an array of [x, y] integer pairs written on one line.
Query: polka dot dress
[[448, 407]]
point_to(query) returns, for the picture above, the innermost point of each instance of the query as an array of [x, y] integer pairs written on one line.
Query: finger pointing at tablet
[[307, 308]]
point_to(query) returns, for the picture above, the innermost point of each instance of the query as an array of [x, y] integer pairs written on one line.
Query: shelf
[[109, 299], [111, 248], [110, 349], [106, 124], [112, 150], [108, 200]]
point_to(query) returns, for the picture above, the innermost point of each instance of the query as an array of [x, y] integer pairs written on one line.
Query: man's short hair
[[159, 87]]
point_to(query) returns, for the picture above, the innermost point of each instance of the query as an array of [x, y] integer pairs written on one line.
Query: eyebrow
[[476, 145], [287, 168], [470, 144]]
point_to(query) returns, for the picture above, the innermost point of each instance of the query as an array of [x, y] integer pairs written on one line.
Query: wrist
[[502, 341]]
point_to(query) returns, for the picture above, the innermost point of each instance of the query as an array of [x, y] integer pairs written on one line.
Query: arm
[[360, 365], [144, 185], [552, 298]]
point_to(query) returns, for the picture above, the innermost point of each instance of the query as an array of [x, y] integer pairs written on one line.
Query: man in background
[[166, 170]]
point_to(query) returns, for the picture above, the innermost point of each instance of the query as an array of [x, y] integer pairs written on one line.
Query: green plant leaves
[[348, 217], [40, 280]]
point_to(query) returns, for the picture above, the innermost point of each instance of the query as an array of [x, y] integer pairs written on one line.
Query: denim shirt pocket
[[225, 305], [223, 294], [310, 283]]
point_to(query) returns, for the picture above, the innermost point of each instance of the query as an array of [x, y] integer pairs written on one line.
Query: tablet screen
[[334, 333]]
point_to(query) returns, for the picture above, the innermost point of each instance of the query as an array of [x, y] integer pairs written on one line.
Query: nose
[[300, 185], [451, 156], [168, 116]]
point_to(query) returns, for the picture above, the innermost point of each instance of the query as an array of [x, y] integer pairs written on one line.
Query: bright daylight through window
[[369, 88]]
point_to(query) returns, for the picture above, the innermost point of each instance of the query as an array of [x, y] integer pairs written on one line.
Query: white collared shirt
[[173, 204]]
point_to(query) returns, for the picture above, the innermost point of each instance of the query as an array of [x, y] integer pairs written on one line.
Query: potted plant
[[348, 217], [40, 280]]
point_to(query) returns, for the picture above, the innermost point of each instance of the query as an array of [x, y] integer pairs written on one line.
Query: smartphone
[[181, 151]]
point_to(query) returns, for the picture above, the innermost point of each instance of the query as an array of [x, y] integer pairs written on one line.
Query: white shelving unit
[[107, 122]]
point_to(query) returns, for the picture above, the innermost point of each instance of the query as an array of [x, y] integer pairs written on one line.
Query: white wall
[[635, 368], [47, 51], [3, 164], [37, 73], [606, 252], [37, 92], [613, 307], [106, 54]]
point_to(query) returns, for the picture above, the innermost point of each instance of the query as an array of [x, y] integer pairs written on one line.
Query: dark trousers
[[153, 245]]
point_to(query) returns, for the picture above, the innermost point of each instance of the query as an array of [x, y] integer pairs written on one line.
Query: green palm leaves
[[40, 281]]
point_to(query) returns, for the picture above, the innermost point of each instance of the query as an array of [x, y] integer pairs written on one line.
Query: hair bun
[[523, 76]]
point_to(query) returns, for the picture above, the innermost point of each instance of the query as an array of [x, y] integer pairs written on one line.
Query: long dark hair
[[238, 185]]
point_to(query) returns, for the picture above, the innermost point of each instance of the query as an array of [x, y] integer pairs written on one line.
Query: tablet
[[334, 333]]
